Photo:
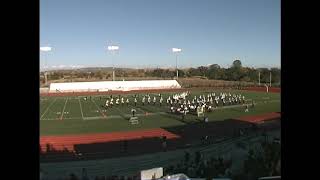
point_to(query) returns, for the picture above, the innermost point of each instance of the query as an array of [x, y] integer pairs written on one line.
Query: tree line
[[234, 73]]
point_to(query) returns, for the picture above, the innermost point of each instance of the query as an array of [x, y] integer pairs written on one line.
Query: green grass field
[[74, 115]]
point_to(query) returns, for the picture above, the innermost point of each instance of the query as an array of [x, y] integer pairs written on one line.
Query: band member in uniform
[[135, 101], [111, 104], [161, 99], [127, 101], [133, 111], [217, 101], [107, 103], [122, 101], [117, 101], [143, 100], [154, 100], [149, 99], [247, 108]]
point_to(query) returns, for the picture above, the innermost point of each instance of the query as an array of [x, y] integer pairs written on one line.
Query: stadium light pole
[[176, 51], [259, 78], [45, 49], [113, 49], [270, 78]]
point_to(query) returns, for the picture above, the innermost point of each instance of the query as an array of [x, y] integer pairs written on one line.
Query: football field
[[87, 114]]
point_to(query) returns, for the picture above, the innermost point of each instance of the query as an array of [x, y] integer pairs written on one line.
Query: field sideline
[[74, 115]]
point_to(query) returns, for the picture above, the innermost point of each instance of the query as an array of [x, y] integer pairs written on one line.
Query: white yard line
[[81, 109], [51, 119], [63, 109], [47, 108], [98, 108]]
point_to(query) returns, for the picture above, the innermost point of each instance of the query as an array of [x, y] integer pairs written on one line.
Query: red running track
[[260, 118], [68, 142]]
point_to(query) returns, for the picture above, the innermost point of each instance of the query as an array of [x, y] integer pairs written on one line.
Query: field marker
[[48, 108], [98, 108], [63, 109], [81, 109]]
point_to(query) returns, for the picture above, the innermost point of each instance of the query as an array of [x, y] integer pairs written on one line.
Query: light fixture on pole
[[176, 51], [45, 49], [113, 49]]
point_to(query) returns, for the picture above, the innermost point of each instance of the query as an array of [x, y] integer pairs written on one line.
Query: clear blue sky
[[208, 31]]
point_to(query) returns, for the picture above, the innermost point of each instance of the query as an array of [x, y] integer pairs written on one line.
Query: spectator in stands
[[73, 177], [41, 174], [84, 174], [48, 147], [125, 145], [164, 143]]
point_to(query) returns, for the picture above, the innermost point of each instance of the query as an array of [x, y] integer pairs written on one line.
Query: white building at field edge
[[102, 86]]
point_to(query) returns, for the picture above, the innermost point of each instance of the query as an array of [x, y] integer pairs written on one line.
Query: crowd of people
[[200, 167], [202, 103]]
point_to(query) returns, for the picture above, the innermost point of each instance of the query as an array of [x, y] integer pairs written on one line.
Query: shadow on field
[[196, 134]]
